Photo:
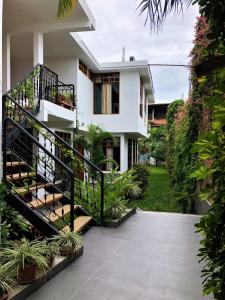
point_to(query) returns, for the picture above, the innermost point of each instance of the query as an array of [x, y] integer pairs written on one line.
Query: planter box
[[116, 223], [21, 292]]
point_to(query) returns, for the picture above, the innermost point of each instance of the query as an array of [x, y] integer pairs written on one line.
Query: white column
[[123, 158], [38, 49], [1, 17], [6, 62]]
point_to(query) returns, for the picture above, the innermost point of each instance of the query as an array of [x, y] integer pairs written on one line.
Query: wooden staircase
[[60, 210], [38, 166]]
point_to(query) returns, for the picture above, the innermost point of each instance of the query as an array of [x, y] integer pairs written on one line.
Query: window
[[132, 152], [111, 151], [106, 93]]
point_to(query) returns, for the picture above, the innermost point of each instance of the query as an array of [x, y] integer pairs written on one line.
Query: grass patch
[[160, 195]]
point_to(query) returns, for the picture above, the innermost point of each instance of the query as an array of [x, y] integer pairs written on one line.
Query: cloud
[[119, 24]]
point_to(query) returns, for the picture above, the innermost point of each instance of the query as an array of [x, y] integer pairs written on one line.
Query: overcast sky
[[118, 24]]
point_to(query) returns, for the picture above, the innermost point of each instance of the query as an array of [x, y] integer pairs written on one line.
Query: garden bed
[[118, 222], [21, 292]]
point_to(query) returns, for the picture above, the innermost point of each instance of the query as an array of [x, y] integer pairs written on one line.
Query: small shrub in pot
[[49, 249], [5, 280], [25, 258], [68, 242]]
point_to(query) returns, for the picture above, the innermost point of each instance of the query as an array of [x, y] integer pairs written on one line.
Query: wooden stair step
[[15, 163], [38, 203], [79, 223], [54, 216], [18, 176], [33, 187]]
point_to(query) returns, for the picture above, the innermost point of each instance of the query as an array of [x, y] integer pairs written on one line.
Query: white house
[[114, 95], [43, 66]]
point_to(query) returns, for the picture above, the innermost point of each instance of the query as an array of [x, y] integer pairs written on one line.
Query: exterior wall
[[128, 119], [64, 67], [19, 69], [85, 93]]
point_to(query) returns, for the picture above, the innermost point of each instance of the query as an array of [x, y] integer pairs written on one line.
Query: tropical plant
[[155, 143], [117, 188], [65, 7], [24, 258], [116, 209], [49, 249], [141, 174], [5, 281], [68, 242], [92, 144]]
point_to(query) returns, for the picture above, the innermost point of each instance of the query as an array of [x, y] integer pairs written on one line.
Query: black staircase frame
[[16, 97]]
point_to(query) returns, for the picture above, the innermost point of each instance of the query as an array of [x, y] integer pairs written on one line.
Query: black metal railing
[[43, 84], [53, 161]]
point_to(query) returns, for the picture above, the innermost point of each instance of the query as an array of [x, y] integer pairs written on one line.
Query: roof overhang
[[22, 16]]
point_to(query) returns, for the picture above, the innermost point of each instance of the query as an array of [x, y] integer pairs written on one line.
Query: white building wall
[[128, 120], [85, 94], [64, 67], [19, 69]]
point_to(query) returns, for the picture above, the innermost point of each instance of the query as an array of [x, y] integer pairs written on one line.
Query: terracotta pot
[[27, 275], [4, 296]]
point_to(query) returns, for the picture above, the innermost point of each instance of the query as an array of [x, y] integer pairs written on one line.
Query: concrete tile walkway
[[150, 257]]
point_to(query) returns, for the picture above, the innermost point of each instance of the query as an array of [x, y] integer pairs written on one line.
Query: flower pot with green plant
[[68, 242], [26, 259], [5, 281], [49, 249]]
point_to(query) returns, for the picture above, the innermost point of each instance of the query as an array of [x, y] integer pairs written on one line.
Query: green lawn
[[160, 195]]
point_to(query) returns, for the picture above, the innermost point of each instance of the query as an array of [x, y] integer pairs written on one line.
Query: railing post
[[40, 94], [102, 200], [72, 204]]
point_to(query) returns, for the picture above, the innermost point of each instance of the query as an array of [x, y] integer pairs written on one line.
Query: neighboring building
[[157, 114]]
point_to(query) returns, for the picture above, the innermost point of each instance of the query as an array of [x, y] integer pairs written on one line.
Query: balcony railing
[[43, 84]]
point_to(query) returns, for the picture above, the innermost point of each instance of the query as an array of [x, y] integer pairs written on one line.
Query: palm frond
[[65, 7], [157, 10]]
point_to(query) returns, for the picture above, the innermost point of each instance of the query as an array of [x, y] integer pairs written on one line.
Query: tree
[[92, 144], [65, 7]]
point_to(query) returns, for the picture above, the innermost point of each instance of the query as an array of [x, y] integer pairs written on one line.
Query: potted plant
[[5, 280], [25, 258], [68, 242], [49, 249]]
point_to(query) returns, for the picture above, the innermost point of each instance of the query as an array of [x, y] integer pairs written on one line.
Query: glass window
[[106, 93]]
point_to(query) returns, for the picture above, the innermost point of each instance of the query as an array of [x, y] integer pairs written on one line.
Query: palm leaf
[[65, 7], [157, 10]]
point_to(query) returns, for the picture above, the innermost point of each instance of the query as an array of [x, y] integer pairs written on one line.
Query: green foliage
[[19, 255], [68, 242], [65, 7], [13, 225], [5, 280], [141, 174], [117, 188], [92, 143], [155, 144], [160, 195]]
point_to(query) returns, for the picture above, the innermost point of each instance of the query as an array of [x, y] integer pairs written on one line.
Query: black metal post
[[72, 204], [102, 200]]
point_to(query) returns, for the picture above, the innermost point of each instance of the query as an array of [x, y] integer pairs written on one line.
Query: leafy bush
[[117, 188], [141, 175]]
